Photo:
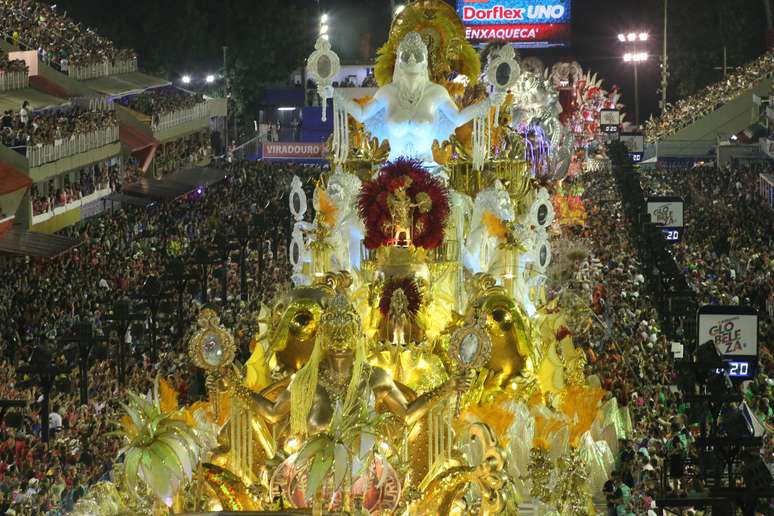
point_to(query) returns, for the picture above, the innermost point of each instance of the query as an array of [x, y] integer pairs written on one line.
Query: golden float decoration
[[474, 403]]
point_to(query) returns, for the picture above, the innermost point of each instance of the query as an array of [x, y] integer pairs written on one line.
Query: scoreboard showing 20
[[734, 332], [667, 214]]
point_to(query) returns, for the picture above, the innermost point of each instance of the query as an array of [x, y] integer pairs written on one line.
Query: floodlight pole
[[122, 318], [228, 90], [665, 61], [179, 278], [46, 375], [84, 336], [636, 96]]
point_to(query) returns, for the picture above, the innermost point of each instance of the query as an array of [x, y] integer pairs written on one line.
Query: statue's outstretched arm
[[358, 112], [462, 117]]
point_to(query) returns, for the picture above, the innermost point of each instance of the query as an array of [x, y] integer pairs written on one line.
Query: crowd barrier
[[103, 69], [170, 120], [248, 150], [39, 155], [13, 80]]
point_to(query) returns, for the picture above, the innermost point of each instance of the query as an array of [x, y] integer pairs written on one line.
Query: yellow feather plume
[[495, 226]]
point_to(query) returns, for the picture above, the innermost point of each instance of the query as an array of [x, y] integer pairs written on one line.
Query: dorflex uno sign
[[525, 23]]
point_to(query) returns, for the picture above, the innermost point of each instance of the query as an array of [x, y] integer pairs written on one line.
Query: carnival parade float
[[422, 361]]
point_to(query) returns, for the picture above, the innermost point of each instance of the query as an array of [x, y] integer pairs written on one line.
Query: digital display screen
[[524, 23], [671, 234], [609, 120], [738, 369], [667, 214]]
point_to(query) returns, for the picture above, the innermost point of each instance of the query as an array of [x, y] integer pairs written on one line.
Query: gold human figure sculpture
[[399, 317], [337, 375], [402, 216]]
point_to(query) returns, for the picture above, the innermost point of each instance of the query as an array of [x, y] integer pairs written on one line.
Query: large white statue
[[412, 111]]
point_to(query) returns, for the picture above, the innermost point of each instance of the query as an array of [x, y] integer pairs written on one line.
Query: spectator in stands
[[37, 25], [161, 101], [24, 114], [123, 249], [689, 109], [11, 65], [51, 126]]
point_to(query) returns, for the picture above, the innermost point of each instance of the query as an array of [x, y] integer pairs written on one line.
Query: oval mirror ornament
[[324, 66], [542, 215], [503, 74]]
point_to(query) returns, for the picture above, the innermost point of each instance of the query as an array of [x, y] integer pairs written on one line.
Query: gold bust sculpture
[[337, 377]]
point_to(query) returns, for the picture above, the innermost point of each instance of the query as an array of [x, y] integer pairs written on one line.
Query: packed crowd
[[184, 152], [11, 65], [41, 299], [58, 39], [726, 253], [59, 192], [26, 127], [161, 101], [627, 350], [726, 258], [689, 109]]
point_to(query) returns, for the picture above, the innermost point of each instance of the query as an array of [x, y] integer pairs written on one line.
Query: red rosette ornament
[[427, 196]]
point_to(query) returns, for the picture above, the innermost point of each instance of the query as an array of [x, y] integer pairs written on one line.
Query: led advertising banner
[[666, 211], [293, 150], [525, 23], [609, 120], [733, 329]]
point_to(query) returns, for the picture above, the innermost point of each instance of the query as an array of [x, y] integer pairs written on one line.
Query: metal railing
[[170, 120], [14, 80], [103, 69], [767, 147], [39, 155], [247, 150]]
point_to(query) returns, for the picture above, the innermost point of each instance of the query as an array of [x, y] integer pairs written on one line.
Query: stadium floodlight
[[186, 79], [631, 36], [210, 79], [644, 36], [622, 38], [636, 57]]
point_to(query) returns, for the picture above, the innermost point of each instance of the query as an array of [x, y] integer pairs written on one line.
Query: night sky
[[177, 36], [596, 24]]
